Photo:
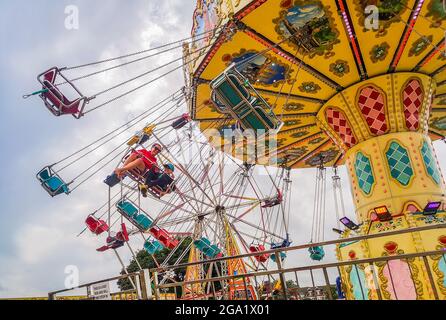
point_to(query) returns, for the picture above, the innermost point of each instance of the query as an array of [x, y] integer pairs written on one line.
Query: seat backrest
[[45, 174], [143, 221], [92, 223], [127, 208], [56, 184]]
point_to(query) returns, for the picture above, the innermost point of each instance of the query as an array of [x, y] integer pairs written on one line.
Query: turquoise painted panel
[[430, 163], [358, 281], [399, 163], [442, 267], [364, 173]]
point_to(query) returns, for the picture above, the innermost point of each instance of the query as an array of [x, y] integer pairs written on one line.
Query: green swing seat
[[233, 94], [153, 247], [52, 182], [316, 253], [130, 211]]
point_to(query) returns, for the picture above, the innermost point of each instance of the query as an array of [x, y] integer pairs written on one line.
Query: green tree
[[147, 262]]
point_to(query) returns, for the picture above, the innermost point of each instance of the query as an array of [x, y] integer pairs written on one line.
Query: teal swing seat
[[52, 182], [153, 247], [127, 209], [131, 212], [202, 243], [211, 251], [233, 94], [208, 249], [316, 253], [282, 256], [143, 222]]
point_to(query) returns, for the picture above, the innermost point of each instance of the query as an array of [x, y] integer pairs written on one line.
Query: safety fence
[[149, 284]]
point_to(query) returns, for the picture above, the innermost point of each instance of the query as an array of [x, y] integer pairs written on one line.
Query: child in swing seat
[[163, 183]]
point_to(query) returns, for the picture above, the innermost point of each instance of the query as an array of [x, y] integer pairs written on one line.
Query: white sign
[[100, 291]]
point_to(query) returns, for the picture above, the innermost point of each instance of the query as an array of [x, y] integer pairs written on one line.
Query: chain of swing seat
[[147, 50]]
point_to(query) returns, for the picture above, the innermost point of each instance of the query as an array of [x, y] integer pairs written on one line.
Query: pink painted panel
[[400, 283]]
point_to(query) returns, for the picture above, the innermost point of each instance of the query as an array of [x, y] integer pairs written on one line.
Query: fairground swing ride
[[332, 89]]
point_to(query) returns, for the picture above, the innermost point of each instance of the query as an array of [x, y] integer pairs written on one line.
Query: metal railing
[[148, 290]]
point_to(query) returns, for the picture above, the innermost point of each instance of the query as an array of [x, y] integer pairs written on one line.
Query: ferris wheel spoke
[[256, 227]]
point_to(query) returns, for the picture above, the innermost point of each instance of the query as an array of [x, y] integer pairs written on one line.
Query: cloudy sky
[[38, 234]]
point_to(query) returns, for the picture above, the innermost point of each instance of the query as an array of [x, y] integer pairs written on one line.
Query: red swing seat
[[96, 226], [259, 248], [278, 199], [163, 236], [116, 241], [55, 101]]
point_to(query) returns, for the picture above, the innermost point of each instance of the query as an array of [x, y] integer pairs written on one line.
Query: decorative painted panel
[[364, 173], [399, 280], [338, 122], [442, 268], [399, 163], [413, 96], [430, 163], [359, 284], [371, 102]]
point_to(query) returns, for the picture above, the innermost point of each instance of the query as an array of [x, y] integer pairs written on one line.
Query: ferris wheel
[[213, 201]]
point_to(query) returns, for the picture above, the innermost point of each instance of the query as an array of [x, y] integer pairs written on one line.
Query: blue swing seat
[[112, 180], [208, 249], [52, 183], [282, 256], [153, 247], [202, 243], [143, 221], [316, 253], [212, 251], [127, 209], [232, 94], [131, 212]]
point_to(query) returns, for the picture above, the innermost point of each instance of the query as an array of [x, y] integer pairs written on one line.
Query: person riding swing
[[163, 183], [141, 160]]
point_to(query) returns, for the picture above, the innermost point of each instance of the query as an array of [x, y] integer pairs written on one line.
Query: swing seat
[[112, 243], [127, 209], [153, 247], [180, 123], [282, 257], [284, 244], [112, 180], [259, 248], [164, 237], [123, 234], [316, 253], [211, 251], [171, 243], [202, 243], [274, 202], [208, 249], [231, 95], [160, 234], [156, 190], [52, 182], [55, 100], [96, 226], [143, 222]]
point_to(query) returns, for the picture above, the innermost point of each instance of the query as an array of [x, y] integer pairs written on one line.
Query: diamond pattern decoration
[[430, 162], [412, 100], [364, 173], [338, 122], [399, 163], [372, 105]]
